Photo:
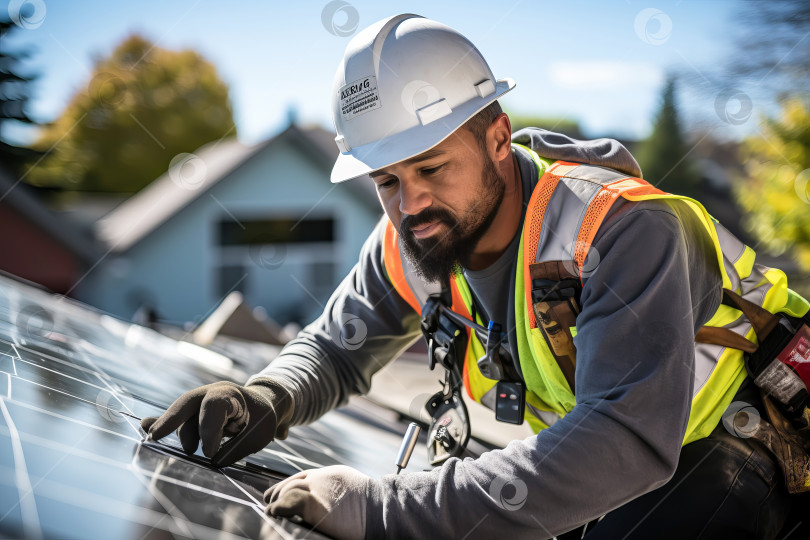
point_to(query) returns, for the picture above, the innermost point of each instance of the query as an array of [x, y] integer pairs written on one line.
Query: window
[[285, 264], [276, 231]]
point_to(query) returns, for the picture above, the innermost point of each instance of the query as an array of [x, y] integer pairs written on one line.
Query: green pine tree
[[664, 155], [14, 94]]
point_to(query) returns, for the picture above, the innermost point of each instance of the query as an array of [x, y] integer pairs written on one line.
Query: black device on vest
[[444, 330]]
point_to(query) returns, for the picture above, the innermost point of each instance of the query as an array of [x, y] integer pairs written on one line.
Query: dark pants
[[724, 487]]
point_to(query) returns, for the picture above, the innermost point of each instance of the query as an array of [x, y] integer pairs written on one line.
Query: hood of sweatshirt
[[601, 152]]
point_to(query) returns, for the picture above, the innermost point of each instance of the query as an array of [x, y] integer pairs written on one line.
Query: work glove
[[252, 415], [331, 499]]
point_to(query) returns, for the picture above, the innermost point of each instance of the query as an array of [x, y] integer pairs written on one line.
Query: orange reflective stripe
[[534, 221], [465, 372], [393, 265], [598, 208], [461, 308], [642, 191]]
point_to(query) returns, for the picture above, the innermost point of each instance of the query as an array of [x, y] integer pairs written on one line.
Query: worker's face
[[442, 202]]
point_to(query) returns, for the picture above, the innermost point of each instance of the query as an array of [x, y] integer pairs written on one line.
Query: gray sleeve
[[364, 326], [641, 308]]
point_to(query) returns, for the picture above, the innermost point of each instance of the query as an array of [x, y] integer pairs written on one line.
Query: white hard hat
[[404, 85]]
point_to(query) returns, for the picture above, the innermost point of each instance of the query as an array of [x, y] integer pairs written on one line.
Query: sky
[[602, 63]]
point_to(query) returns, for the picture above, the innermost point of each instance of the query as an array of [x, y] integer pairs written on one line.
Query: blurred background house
[[262, 220]]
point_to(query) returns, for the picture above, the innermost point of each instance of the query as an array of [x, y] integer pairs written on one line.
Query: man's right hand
[[252, 415]]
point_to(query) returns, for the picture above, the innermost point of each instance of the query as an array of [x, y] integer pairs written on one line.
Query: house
[[263, 220], [37, 244]]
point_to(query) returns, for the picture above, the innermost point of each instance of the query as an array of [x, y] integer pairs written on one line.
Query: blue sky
[[601, 63]]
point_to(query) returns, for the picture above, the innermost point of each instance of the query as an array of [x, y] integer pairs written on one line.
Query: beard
[[437, 257]]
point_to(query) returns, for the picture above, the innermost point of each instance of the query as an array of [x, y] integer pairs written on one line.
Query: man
[[629, 423]]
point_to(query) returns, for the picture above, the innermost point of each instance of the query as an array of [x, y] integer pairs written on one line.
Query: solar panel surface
[[73, 460]]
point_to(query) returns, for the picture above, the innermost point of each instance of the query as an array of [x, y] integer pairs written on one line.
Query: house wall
[[176, 267], [30, 253]]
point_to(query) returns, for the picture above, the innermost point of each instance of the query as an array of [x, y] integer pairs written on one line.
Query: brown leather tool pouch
[[555, 301]]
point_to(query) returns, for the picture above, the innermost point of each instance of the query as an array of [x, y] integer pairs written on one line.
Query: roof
[[170, 193], [18, 195]]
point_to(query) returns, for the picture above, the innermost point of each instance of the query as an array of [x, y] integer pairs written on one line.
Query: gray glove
[[331, 499], [253, 415]]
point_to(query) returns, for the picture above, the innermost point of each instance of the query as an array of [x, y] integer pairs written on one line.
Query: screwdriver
[[408, 444]]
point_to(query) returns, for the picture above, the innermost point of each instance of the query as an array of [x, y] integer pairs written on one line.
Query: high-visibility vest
[[589, 192]]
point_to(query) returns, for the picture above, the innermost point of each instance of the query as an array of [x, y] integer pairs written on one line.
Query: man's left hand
[[331, 499]]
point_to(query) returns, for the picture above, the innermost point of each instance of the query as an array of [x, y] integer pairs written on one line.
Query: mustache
[[427, 215]]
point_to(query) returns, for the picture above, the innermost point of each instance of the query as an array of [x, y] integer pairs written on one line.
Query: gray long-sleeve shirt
[[656, 283]]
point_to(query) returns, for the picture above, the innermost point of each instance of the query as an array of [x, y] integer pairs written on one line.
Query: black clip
[[445, 338]]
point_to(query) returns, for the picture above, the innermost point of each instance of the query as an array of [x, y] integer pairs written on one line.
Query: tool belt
[[780, 367]]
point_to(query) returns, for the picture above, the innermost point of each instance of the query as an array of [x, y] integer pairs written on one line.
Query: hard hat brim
[[411, 142]]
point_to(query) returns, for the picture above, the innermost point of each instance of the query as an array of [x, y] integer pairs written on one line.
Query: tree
[[14, 95], [776, 190], [772, 46], [664, 155], [142, 106]]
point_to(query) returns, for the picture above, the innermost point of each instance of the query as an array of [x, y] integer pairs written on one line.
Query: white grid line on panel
[[243, 490], [18, 355], [69, 419], [53, 359], [171, 510], [290, 450], [200, 531], [276, 528], [64, 374], [102, 375], [288, 457], [79, 498], [55, 465], [28, 506], [188, 485], [71, 450], [68, 394]]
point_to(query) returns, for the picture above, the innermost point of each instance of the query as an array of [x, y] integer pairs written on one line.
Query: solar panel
[[73, 460]]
